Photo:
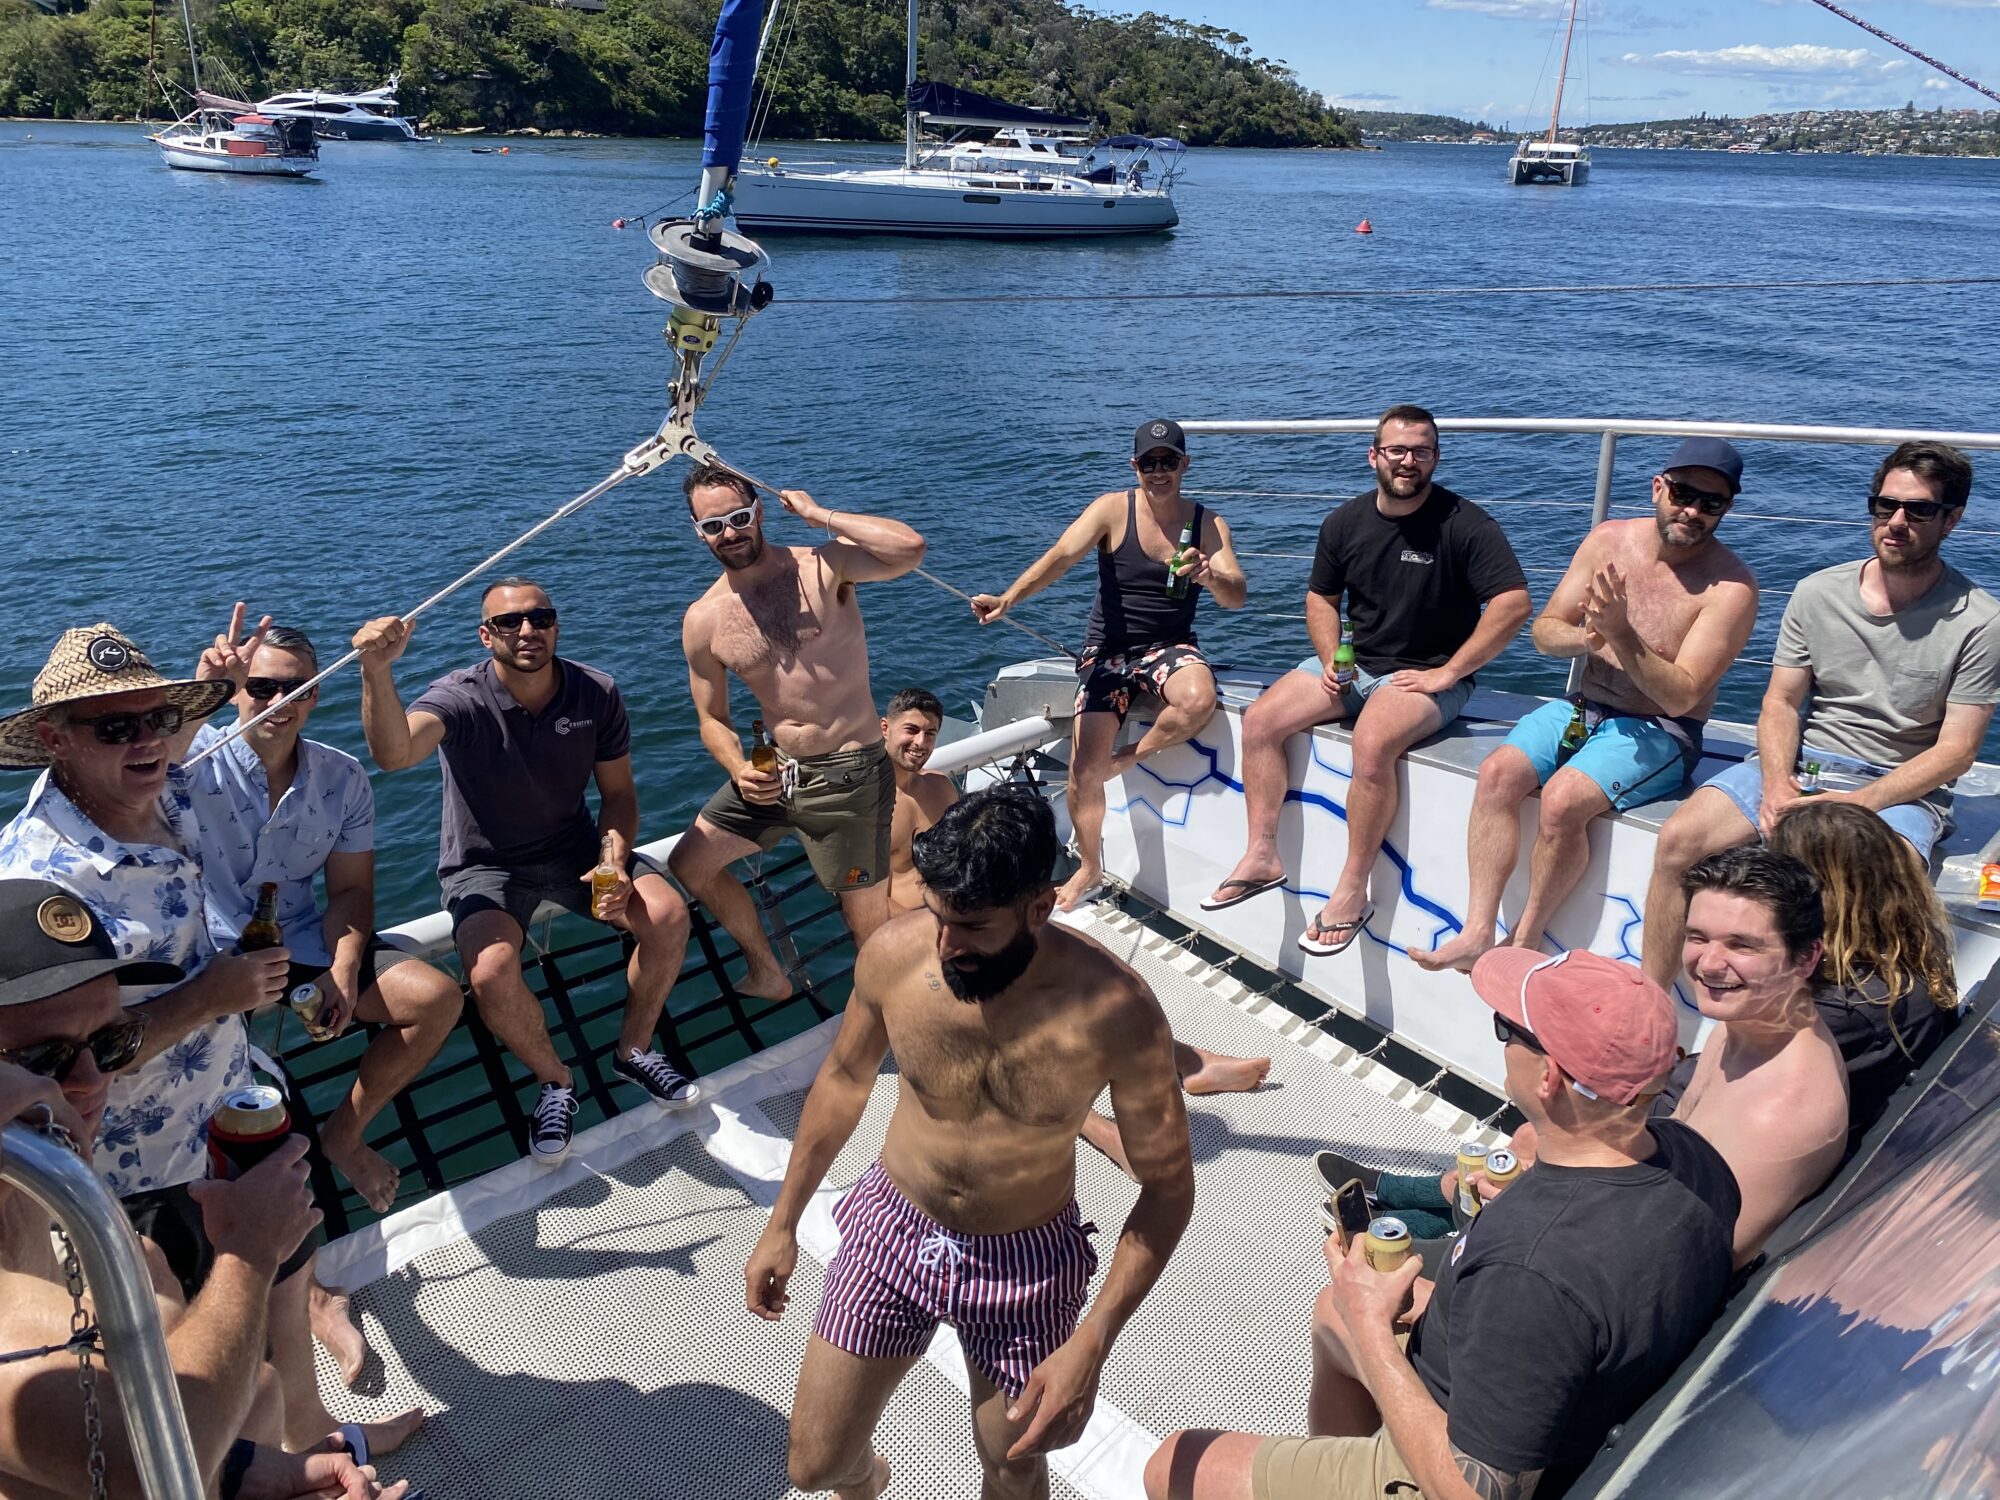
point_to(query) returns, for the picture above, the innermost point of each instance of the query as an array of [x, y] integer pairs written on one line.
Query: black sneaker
[[548, 1135], [1336, 1170], [658, 1077]]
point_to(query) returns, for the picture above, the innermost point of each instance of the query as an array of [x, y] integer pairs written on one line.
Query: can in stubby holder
[[1388, 1243], [1471, 1158], [246, 1127], [1502, 1166]]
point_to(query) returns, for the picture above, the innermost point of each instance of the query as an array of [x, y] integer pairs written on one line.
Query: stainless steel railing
[[121, 1291]]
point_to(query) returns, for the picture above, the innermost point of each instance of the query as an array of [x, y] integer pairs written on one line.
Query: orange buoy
[[505, 149], [617, 223], [1364, 227]]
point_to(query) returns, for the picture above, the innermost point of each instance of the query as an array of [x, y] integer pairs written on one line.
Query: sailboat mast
[[194, 66], [1562, 73], [909, 86]]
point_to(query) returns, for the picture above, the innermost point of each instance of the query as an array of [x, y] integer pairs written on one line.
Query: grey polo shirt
[[514, 781]]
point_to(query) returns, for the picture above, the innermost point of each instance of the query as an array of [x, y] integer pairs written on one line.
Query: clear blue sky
[[1635, 59]]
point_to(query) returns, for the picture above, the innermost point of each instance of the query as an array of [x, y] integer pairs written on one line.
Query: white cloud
[[1797, 60], [1937, 85]]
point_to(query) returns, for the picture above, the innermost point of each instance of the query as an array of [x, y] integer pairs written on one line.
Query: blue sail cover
[[732, 70], [941, 104]]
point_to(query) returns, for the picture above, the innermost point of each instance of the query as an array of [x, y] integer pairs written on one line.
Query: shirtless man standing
[[1658, 609], [1005, 1027], [910, 727], [786, 622]]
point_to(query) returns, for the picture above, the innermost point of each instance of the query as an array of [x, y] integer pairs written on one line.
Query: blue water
[[330, 397]]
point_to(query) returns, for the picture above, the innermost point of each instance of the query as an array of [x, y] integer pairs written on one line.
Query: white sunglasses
[[737, 520]]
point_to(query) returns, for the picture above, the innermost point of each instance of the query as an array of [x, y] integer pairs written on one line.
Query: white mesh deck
[[592, 1344]]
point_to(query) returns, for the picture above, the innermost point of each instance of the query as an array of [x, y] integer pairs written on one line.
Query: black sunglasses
[[1884, 507], [261, 688], [1159, 463], [122, 729], [1686, 495], [514, 619], [1507, 1031], [115, 1046]]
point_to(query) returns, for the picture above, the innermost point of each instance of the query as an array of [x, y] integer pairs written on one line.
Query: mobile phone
[[1348, 1213]]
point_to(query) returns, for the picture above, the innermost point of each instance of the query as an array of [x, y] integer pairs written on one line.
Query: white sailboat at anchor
[[228, 135]]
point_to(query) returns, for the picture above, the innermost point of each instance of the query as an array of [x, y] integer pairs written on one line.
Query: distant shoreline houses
[[1881, 132]]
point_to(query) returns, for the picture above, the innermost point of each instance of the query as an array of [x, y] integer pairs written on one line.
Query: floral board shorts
[[1106, 684]]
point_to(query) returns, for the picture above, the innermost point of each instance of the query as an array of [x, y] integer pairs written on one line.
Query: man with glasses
[[1658, 609], [786, 622], [276, 807], [64, 1036], [522, 736], [1886, 674], [114, 820], [1140, 641], [1431, 592], [1556, 1315]]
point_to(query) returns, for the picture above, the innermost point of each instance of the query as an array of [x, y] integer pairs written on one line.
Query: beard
[[1681, 534], [1402, 486], [743, 557], [975, 981]]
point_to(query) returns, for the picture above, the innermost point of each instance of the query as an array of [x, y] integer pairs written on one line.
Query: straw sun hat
[[96, 662]]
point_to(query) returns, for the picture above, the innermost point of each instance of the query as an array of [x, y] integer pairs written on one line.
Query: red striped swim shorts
[[1013, 1298]]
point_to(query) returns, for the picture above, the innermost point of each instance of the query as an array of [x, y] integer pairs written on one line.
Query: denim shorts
[[1920, 824], [1451, 702]]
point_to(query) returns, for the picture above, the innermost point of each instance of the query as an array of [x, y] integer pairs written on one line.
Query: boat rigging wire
[[1355, 294]]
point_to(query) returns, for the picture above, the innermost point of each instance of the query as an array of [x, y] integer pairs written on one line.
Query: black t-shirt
[[1877, 1063], [1413, 584], [1570, 1300]]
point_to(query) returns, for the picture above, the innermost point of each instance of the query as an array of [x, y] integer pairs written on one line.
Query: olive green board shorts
[[840, 808], [1332, 1468]]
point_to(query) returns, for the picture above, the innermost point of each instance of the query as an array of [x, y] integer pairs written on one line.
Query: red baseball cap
[[1603, 1022]]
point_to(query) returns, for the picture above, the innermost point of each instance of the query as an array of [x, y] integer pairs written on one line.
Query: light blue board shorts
[[1921, 824], [1632, 760], [1451, 702]]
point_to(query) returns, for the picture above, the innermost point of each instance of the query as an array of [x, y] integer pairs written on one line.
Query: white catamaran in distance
[[1550, 162], [1000, 201], [227, 135], [370, 115]]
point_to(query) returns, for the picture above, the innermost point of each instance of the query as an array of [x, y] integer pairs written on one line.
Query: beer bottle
[[763, 754], [1343, 656], [1177, 569], [263, 930], [1809, 780], [1575, 732], [604, 879]]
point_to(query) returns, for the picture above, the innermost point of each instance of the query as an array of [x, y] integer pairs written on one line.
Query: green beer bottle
[[1343, 656], [1177, 569], [1575, 732]]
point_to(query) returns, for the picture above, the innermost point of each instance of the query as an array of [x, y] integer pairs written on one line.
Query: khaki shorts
[[840, 808], [1331, 1468]]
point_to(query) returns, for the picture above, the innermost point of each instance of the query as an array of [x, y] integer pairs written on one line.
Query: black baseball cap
[[1158, 434], [51, 942], [1712, 454]]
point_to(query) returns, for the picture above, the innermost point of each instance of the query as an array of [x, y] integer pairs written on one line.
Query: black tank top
[[1132, 610]]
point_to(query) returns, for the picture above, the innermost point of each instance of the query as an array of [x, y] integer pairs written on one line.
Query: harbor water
[[329, 397]]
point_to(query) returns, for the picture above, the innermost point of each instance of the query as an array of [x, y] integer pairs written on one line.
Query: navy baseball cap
[[51, 942], [1158, 434], [1709, 453]]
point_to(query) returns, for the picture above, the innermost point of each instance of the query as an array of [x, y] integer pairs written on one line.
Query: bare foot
[[371, 1173], [1461, 953], [1074, 890], [876, 1482], [333, 1325], [766, 984], [387, 1437], [1221, 1074], [1101, 1131]]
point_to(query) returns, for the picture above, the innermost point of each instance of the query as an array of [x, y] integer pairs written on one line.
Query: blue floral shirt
[[149, 898], [328, 809]]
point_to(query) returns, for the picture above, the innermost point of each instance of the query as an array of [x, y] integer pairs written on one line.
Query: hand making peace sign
[[230, 655]]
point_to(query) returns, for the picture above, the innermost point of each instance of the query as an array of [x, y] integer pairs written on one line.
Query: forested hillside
[[639, 67]]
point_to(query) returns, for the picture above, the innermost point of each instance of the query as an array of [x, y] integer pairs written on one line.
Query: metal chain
[[83, 1341]]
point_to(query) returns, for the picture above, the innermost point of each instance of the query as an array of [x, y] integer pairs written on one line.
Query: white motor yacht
[[367, 116]]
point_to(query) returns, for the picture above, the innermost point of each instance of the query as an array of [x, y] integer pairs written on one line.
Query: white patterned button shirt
[[149, 898], [328, 809]]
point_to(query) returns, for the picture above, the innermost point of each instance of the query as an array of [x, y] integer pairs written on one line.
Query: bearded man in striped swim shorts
[[1005, 1028]]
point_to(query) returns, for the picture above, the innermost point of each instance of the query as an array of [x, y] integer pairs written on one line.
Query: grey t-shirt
[[1881, 682], [514, 781]]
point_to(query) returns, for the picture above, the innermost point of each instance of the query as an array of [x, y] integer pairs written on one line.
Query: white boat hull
[[989, 206], [193, 158], [1525, 171]]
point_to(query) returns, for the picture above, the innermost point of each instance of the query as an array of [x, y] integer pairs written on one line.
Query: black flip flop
[[1245, 890], [1344, 934]]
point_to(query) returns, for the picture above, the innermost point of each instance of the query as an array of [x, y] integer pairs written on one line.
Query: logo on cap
[[109, 654], [64, 919], [1159, 429]]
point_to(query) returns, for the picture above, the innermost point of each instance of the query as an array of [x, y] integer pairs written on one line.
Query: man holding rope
[[786, 623]]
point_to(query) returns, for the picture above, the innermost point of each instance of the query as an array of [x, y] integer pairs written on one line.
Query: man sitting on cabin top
[[1140, 640], [1658, 609], [522, 736], [1411, 566], [63, 1034], [1885, 677], [1563, 1307]]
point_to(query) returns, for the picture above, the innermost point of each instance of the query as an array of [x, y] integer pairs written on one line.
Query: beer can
[[1502, 1166], [1388, 1243], [1989, 887], [1471, 1158], [245, 1128], [309, 1005]]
